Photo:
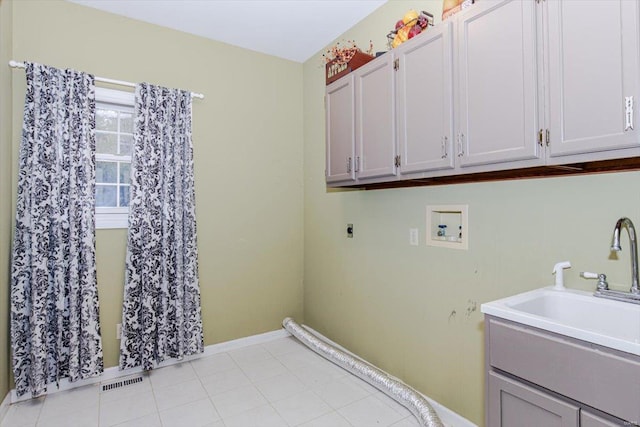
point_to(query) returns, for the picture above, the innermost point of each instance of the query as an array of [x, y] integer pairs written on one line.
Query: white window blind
[[114, 140]]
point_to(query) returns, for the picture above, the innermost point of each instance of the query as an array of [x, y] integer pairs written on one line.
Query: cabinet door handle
[[628, 113], [358, 164], [444, 147], [348, 164], [460, 144], [548, 137]]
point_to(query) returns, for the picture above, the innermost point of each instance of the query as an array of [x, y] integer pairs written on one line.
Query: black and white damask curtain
[[161, 311], [55, 330]]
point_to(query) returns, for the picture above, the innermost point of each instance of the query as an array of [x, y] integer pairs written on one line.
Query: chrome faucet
[[603, 291], [615, 246]]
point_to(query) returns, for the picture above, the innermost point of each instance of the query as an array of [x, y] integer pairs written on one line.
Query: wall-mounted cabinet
[[425, 101], [375, 132], [360, 126], [592, 72], [497, 76], [502, 85], [340, 131]]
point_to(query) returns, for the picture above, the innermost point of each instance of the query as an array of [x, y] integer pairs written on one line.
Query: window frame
[[106, 217]]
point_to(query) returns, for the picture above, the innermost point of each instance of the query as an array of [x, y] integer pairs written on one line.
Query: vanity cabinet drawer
[[589, 419], [517, 405], [591, 374]]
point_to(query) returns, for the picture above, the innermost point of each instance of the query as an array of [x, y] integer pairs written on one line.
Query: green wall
[[247, 135], [6, 26], [392, 303]]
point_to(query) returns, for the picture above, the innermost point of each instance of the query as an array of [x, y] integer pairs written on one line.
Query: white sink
[[577, 314]]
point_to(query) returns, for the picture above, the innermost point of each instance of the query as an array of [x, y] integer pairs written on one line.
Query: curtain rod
[[16, 64]]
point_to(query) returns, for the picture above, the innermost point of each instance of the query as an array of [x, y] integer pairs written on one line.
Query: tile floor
[[279, 383]]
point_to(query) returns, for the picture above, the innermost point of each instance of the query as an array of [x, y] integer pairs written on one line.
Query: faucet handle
[[602, 279]]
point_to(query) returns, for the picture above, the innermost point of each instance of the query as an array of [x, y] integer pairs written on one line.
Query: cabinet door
[[498, 100], [375, 119], [425, 101], [593, 67], [589, 419], [340, 130], [513, 404]]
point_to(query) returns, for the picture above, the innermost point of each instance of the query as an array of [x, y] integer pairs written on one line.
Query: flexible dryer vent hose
[[396, 389]]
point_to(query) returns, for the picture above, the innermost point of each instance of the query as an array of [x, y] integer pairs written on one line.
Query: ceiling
[[289, 29]]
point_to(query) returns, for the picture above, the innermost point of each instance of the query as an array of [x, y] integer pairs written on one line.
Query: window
[[114, 140]]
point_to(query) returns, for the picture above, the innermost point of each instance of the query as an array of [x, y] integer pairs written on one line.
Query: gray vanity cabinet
[[425, 101], [592, 53], [497, 89], [590, 419], [340, 131], [538, 378], [514, 404]]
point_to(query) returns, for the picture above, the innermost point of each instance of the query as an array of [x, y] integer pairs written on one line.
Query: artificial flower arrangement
[[342, 53], [342, 58]]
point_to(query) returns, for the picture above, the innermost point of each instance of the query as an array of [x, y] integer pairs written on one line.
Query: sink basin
[[577, 314]]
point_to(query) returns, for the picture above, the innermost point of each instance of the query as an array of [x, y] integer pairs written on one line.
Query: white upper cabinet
[[498, 112], [503, 84], [425, 101], [592, 54], [340, 131], [375, 119]]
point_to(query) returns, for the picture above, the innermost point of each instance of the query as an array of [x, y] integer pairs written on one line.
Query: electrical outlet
[[118, 330], [413, 236]]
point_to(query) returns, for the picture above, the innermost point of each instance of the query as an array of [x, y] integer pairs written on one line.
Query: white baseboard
[[448, 417], [114, 372]]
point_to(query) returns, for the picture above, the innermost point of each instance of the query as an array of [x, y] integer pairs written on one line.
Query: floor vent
[[120, 383]]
